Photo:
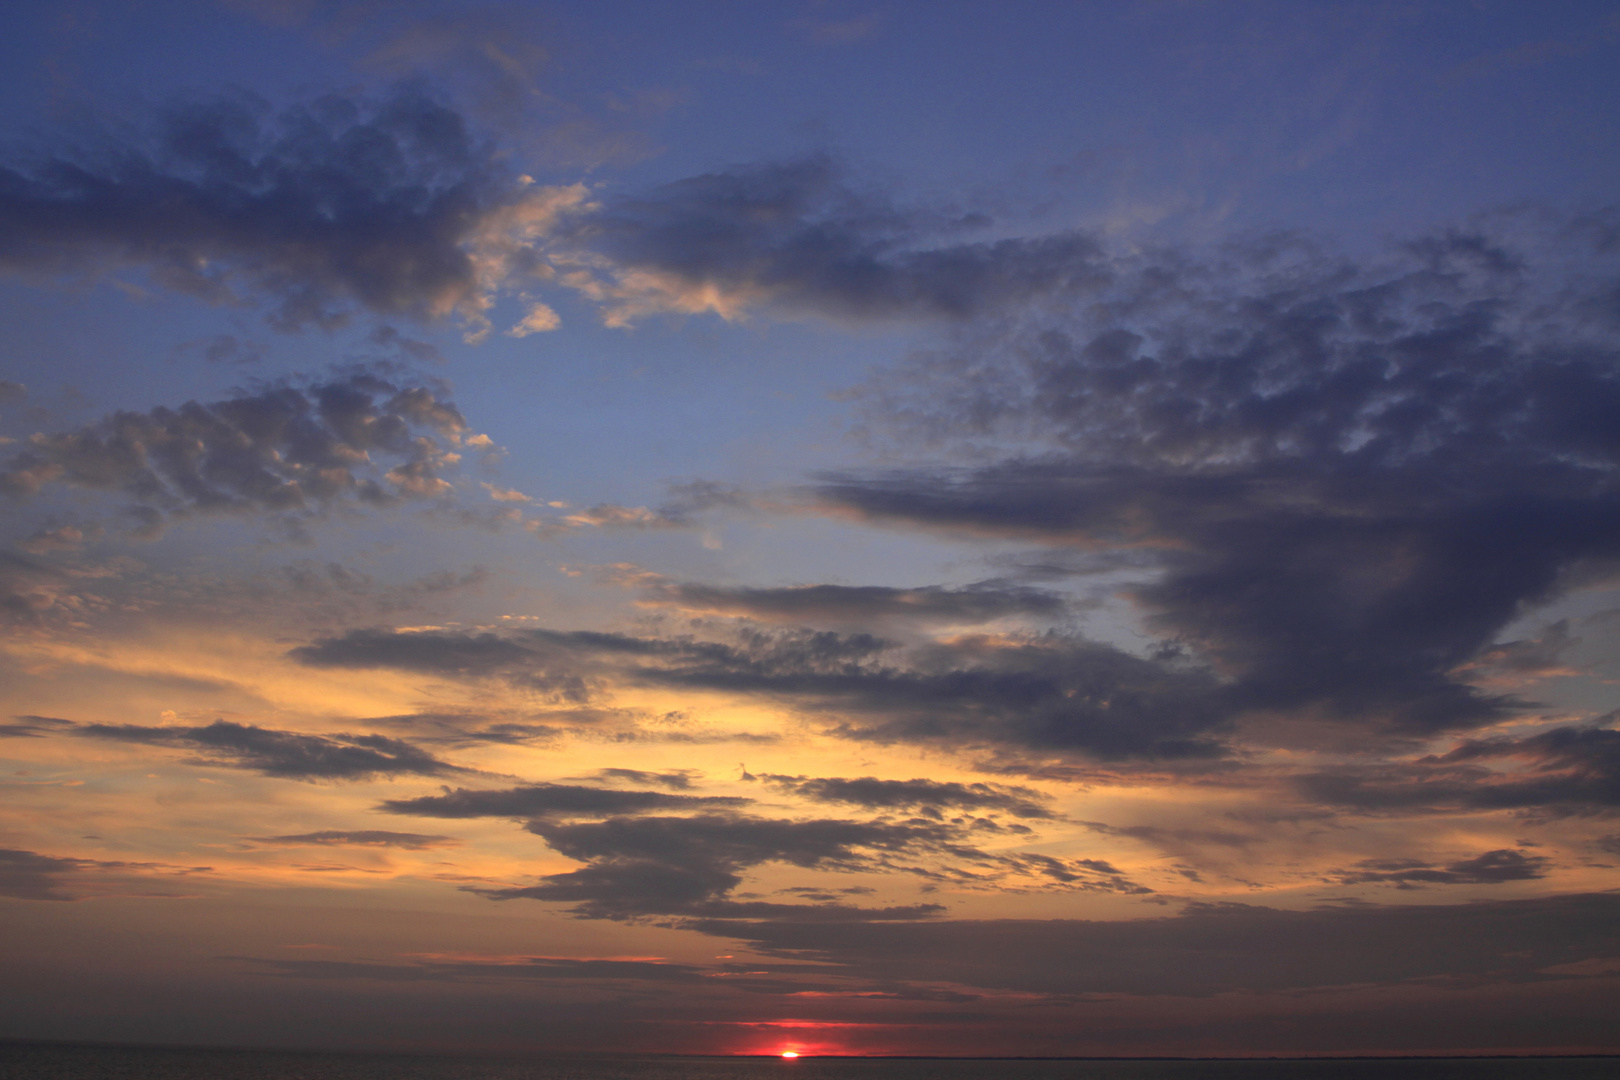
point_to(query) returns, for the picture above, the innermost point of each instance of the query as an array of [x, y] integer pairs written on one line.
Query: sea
[[59, 1062]]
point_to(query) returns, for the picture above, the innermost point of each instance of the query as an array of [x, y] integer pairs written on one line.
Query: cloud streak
[[288, 755]]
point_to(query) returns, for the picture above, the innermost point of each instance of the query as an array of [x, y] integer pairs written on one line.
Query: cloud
[[926, 796], [29, 875], [286, 754], [286, 450], [796, 237], [464, 729], [665, 865], [1050, 691], [857, 604], [393, 207], [360, 838], [439, 652], [1489, 868], [539, 968], [678, 780], [1566, 770], [1346, 479], [1210, 948], [61, 538], [546, 800], [644, 866], [27, 589], [611, 516], [34, 727]]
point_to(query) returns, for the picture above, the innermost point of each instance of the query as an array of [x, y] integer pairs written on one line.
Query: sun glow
[[790, 1053]]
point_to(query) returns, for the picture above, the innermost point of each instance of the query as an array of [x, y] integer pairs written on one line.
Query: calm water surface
[[103, 1063]]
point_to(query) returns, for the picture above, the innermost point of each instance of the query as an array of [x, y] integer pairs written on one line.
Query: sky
[[833, 527]]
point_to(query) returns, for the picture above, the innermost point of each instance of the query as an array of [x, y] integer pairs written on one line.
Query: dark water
[[21, 1062]]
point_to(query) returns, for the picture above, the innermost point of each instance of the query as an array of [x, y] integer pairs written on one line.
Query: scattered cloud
[[1210, 948], [285, 450]]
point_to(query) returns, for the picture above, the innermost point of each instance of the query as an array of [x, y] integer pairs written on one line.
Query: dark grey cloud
[[1211, 948], [28, 875], [845, 604], [1487, 868], [1567, 770], [288, 754], [34, 727], [1174, 839], [360, 838], [547, 800], [1349, 478], [647, 866], [329, 206], [285, 449], [924, 796], [638, 867], [1052, 691], [798, 236]]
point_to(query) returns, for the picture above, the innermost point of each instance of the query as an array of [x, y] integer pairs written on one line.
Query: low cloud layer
[[1214, 948]]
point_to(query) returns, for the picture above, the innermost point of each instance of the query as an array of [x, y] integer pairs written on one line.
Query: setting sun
[[790, 1053]]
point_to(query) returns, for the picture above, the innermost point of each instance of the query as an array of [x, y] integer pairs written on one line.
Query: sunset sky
[[958, 528]]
